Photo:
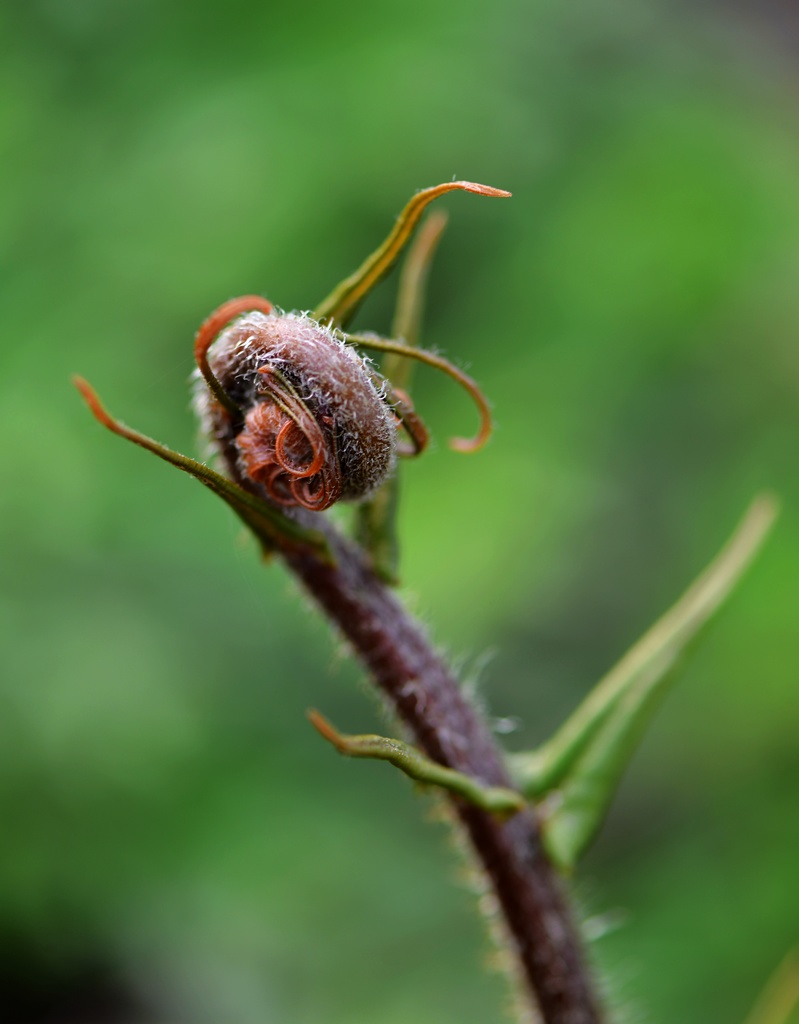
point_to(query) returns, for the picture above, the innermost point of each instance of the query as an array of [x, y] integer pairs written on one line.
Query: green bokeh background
[[170, 826]]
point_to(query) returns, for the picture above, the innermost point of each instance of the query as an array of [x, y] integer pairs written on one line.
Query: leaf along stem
[[270, 525], [583, 762], [496, 799], [376, 519], [343, 301], [411, 292]]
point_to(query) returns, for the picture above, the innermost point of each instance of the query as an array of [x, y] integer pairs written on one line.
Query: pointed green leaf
[[411, 292], [376, 523], [343, 301], [413, 763], [581, 765], [376, 530], [458, 444], [268, 524]]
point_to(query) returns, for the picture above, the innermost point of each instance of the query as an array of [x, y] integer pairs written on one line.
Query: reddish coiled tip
[[481, 190], [221, 317], [96, 407]]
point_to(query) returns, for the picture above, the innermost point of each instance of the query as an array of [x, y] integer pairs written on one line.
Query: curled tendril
[[207, 334], [459, 444], [300, 417], [408, 418], [284, 456], [286, 449]]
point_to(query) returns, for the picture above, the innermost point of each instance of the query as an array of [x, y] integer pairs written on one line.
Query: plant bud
[[315, 427]]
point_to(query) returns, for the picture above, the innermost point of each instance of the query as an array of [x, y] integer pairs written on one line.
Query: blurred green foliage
[[632, 313]]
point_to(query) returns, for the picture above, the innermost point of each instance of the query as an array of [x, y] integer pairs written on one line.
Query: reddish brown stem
[[401, 660]]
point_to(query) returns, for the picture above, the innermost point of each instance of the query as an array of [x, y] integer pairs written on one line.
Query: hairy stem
[[400, 658]]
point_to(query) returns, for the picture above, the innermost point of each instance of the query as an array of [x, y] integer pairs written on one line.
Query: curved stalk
[[403, 663]]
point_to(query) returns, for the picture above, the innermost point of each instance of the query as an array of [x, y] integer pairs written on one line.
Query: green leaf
[[270, 526], [343, 301], [376, 523], [580, 767], [413, 763]]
